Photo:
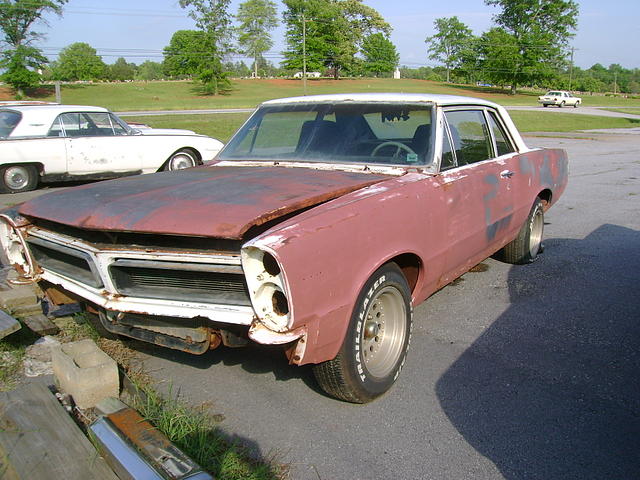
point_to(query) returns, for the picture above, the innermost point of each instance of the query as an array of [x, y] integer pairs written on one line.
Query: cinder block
[[22, 311], [14, 298], [85, 372]]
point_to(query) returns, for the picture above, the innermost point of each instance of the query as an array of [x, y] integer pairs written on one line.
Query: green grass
[[179, 95], [196, 433], [566, 122], [220, 126], [12, 351], [631, 110]]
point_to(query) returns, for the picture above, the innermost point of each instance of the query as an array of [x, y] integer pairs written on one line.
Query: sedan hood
[[209, 201]]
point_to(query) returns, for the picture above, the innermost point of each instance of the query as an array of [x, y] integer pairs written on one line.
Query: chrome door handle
[[506, 174]]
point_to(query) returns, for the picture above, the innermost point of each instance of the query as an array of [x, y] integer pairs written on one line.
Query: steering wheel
[[399, 146]]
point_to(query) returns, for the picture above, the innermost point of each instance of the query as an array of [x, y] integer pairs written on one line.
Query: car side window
[[118, 129], [447, 153], [503, 145], [470, 135], [56, 129], [71, 124]]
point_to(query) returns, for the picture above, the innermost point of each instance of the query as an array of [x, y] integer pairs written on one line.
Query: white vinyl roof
[[442, 100]]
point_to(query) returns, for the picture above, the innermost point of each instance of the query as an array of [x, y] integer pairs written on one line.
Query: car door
[[96, 144], [476, 186]]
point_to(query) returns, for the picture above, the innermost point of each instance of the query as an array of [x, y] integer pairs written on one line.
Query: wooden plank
[[8, 324], [40, 324], [39, 440]]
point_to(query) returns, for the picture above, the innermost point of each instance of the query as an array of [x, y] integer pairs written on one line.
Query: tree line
[[527, 46]]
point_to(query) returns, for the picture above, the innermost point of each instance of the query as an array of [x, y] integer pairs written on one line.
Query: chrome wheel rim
[[16, 178], [181, 160], [383, 332], [535, 234]]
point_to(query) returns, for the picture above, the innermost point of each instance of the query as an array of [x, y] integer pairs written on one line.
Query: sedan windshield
[[367, 133]]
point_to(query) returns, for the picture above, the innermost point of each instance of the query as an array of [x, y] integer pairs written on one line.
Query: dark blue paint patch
[[495, 227]]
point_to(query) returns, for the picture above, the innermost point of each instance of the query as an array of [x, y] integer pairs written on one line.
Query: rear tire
[[183, 158], [375, 346], [561, 104], [528, 244], [18, 178]]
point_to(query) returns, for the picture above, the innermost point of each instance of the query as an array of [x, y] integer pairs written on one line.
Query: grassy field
[[631, 110], [249, 93], [567, 122], [222, 126]]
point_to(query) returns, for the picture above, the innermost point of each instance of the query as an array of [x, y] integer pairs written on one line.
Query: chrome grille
[[222, 284], [65, 261]]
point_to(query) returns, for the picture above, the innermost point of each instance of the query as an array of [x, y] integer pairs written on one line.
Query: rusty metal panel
[[208, 201]]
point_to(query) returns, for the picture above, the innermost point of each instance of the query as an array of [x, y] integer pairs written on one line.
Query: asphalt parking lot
[[517, 372]]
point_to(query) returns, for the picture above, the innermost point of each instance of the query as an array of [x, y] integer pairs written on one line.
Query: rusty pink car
[[319, 227]]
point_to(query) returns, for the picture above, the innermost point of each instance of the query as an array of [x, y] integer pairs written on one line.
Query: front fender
[[330, 251]]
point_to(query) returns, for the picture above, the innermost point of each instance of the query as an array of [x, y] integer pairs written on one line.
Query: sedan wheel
[[528, 244], [18, 178], [375, 346], [181, 159]]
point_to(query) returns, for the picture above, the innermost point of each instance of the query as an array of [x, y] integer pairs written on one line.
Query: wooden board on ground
[[39, 440], [8, 324]]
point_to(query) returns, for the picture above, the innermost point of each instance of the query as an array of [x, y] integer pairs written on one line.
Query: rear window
[[8, 121]]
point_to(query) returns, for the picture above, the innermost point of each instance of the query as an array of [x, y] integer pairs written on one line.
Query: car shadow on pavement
[[255, 359], [550, 390]]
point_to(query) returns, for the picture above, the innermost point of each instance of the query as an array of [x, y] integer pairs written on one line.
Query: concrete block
[[85, 372], [22, 296], [22, 311]]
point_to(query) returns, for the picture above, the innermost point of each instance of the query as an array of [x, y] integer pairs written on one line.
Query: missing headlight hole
[[280, 303], [270, 265]]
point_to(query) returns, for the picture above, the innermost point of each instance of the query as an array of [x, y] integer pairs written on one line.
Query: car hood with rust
[[209, 201]]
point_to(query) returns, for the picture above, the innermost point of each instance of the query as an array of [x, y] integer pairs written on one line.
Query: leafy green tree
[[79, 61], [449, 43], [19, 59], [212, 18], [188, 52], [335, 30], [380, 54], [149, 70], [257, 18], [122, 70], [540, 29]]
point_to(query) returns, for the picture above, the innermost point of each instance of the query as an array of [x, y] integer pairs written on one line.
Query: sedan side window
[[56, 129], [470, 134], [503, 145]]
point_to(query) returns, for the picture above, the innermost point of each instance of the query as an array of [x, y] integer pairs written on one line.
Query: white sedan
[[559, 98], [45, 143]]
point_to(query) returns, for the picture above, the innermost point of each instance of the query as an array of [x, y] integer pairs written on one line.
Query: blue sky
[[608, 31]]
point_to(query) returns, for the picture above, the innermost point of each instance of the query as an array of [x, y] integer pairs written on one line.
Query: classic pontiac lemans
[[319, 227]]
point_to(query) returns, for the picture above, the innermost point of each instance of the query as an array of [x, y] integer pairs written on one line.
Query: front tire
[[575, 105], [183, 158], [376, 343], [528, 244], [18, 178]]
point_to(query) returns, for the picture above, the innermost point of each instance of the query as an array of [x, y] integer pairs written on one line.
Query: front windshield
[[365, 133]]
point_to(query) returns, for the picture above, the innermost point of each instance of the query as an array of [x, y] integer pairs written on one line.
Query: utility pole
[[304, 54], [615, 82], [571, 68]]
